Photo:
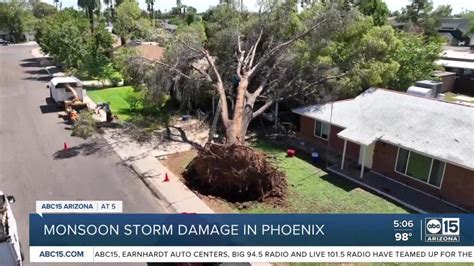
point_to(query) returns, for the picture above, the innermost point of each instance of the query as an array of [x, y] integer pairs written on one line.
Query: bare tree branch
[[220, 89], [191, 48], [239, 42], [170, 67], [264, 107], [253, 51], [280, 46], [264, 83], [240, 58], [204, 73]]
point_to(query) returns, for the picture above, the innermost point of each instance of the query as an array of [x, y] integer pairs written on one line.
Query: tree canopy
[[129, 22], [90, 7], [419, 16], [416, 58], [377, 9], [42, 10], [280, 53], [65, 36], [470, 16], [250, 61], [16, 18]]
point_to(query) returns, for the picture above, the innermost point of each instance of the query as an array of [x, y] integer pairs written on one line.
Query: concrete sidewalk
[[141, 158], [174, 193]]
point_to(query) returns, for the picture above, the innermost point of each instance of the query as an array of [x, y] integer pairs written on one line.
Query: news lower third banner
[[251, 238]]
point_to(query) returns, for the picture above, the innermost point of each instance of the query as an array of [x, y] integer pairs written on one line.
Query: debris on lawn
[[236, 173], [85, 127]]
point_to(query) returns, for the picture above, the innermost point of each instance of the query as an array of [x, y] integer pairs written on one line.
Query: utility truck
[[10, 250], [67, 93]]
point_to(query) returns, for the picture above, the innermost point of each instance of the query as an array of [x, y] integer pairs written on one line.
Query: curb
[[186, 202]]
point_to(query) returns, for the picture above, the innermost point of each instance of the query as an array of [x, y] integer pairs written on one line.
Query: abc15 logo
[[442, 226]]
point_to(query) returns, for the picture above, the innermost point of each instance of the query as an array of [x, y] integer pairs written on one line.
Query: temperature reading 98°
[[402, 236]]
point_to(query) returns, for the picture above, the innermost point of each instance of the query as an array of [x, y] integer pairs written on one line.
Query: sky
[[202, 5]]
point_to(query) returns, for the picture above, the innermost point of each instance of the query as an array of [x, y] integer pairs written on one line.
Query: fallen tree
[[250, 65]]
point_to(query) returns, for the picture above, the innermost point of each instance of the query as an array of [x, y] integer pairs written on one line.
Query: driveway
[[31, 136]]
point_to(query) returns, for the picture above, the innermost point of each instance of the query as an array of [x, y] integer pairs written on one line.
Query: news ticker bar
[[251, 254]]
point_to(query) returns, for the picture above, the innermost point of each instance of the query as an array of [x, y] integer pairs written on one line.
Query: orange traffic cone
[[65, 146], [166, 178]]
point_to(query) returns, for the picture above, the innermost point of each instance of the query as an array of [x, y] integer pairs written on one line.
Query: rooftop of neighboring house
[[457, 54], [461, 24], [456, 57], [151, 51], [167, 26], [433, 127]]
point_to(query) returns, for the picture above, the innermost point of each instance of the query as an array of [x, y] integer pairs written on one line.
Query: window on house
[[402, 160], [321, 129], [420, 167], [436, 173]]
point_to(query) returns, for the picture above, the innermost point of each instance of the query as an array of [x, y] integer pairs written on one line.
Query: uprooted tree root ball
[[236, 173]]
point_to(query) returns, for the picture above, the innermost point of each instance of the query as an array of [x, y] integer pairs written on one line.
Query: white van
[[10, 250], [64, 88]]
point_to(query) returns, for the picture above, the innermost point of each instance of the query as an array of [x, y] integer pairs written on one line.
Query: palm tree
[[150, 7], [90, 7], [110, 3]]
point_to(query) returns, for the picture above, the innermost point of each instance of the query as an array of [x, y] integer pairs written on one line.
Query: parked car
[[54, 72], [10, 248], [4, 42]]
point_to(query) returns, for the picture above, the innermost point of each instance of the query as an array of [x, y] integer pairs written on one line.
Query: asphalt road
[[31, 134]]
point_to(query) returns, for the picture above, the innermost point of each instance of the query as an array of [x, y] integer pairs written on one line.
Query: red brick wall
[[457, 186], [385, 158], [336, 143]]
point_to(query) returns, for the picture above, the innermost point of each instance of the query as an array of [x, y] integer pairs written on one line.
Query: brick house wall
[[336, 144], [457, 186]]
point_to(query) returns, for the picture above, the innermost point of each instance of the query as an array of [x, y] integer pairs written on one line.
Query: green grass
[[117, 97], [450, 97], [311, 190]]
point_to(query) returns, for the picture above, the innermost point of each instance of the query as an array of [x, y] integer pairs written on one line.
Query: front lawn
[[310, 189], [117, 97]]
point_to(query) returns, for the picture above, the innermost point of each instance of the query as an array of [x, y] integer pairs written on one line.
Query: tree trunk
[[235, 129], [91, 21], [112, 12], [243, 111], [236, 134]]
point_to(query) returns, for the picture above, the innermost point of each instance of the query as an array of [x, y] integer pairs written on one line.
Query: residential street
[[30, 135]]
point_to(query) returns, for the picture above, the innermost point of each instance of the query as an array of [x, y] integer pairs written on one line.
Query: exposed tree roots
[[236, 173]]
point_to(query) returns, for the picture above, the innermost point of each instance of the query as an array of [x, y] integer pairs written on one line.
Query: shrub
[[121, 60], [110, 73], [135, 100]]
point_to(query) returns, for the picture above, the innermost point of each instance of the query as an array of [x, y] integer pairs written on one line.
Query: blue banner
[[251, 230]]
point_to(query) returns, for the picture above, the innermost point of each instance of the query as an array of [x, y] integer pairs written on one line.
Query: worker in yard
[[74, 116], [106, 107]]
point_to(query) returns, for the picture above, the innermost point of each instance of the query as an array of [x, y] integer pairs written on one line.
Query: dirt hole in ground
[[235, 173]]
